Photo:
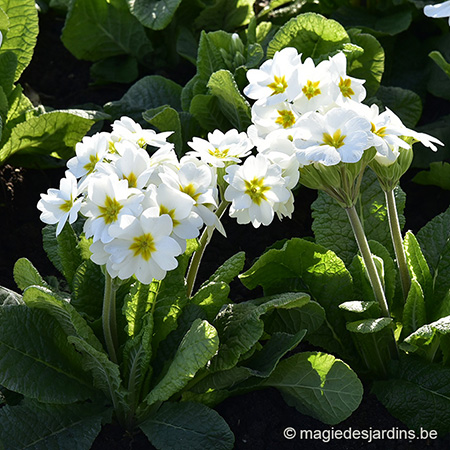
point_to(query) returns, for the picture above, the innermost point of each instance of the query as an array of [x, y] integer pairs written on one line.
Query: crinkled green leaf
[[319, 385], [229, 270], [96, 30], [54, 132], [211, 297], [417, 393], [115, 69], [25, 274], [311, 34], [198, 346], [405, 103], [22, 33], [154, 14], [36, 358], [359, 310], [240, 326], [438, 82], [188, 426], [206, 109], [8, 65], [332, 228], [414, 314], [9, 298], [231, 102], [149, 92], [43, 426], [438, 175]]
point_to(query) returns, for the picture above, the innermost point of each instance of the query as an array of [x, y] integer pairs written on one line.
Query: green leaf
[[115, 69], [206, 109], [22, 33], [67, 316], [240, 326], [319, 385], [433, 238], [211, 297], [198, 346], [311, 34], [9, 298], [8, 66], [166, 118], [414, 314], [405, 103], [318, 272], [96, 30], [233, 105], [438, 175], [68, 252], [210, 59], [154, 14], [188, 426], [149, 92], [25, 274], [51, 427], [440, 61], [361, 309], [417, 393], [41, 363], [441, 285], [229, 270], [332, 228], [56, 131]]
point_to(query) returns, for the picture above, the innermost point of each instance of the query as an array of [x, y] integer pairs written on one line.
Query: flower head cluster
[[319, 110], [139, 208]]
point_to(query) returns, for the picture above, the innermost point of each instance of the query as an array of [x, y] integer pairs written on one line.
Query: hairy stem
[[397, 241], [204, 240], [109, 318]]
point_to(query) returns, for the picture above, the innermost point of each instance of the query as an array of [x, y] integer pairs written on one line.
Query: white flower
[[314, 93], [339, 135], [439, 10], [343, 87], [127, 129], [254, 190], [108, 199], [276, 80], [61, 205], [166, 200], [89, 152], [142, 247], [221, 148], [1, 38]]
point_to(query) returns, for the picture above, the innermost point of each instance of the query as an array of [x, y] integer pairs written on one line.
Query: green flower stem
[[397, 241], [364, 249], [109, 321], [204, 240]]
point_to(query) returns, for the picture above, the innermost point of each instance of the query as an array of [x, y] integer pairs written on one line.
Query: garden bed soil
[[257, 419]]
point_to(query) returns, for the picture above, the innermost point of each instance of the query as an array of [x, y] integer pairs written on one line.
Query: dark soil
[[257, 419]]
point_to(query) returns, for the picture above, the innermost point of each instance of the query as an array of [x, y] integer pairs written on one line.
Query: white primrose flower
[[61, 205], [314, 93], [276, 80], [198, 181], [255, 190], [343, 87], [108, 199], [166, 200], [127, 129], [89, 152], [221, 148], [438, 10], [339, 135], [142, 247]]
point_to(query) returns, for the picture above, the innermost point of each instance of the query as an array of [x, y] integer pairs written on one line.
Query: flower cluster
[[316, 111], [139, 209]]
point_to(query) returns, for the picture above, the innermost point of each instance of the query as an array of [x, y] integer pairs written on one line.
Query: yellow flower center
[[164, 210], [112, 147], [286, 118], [345, 87], [190, 190], [219, 153], [279, 85], [143, 246], [67, 205], [311, 89], [380, 132], [255, 189], [336, 141], [141, 142], [90, 166], [132, 179], [110, 210]]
